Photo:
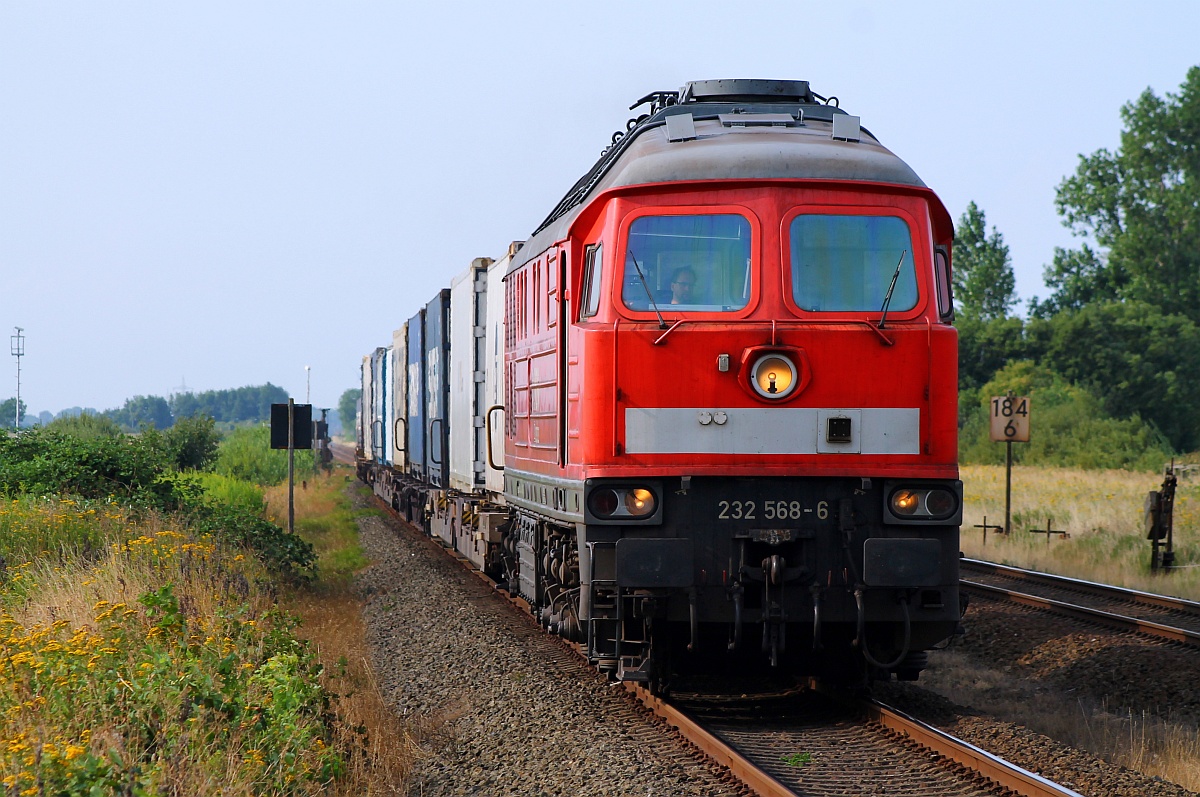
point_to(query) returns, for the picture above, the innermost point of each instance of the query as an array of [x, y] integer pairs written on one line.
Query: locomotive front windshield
[[699, 263], [846, 263]]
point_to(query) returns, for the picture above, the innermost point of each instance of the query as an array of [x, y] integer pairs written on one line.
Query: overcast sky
[[226, 192]]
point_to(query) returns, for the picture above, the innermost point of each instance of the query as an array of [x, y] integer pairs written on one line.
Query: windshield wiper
[[887, 300], [661, 323]]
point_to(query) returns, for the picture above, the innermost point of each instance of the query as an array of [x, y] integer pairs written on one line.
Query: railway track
[[1126, 610], [809, 743], [802, 742]]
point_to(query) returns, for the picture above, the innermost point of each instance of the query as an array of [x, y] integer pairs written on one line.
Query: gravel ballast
[[499, 707]]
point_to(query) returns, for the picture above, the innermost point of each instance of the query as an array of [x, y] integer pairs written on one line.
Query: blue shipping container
[[437, 396], [416, 395]]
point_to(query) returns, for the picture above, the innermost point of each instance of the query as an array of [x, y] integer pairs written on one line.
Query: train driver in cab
[[683, 284]]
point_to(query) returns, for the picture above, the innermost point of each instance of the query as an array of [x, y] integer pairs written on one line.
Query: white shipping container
[[494, 370], [368, 404], [468, 328], [378, 395], [387, 406], [362, 416]]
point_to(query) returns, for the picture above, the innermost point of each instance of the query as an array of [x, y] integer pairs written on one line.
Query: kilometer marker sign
[[1010, 419]]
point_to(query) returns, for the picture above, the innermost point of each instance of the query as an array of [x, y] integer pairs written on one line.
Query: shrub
[[135, 469], [1068, 426], [285, 554], [246, 453], [158, 698], [192, 442], [85, 426], [220, 489]]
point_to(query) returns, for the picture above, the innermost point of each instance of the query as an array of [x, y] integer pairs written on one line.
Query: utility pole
[[18, 351], [307, 384]]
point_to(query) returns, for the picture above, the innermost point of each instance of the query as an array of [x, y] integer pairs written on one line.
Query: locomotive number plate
[[774, 536], [771, 510]]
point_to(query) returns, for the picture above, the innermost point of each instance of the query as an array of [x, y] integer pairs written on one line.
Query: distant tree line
[[236, 405], [1112, 355], [230, 406]]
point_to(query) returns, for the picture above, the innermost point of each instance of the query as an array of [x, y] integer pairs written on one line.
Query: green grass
[[222, 489], [798, 759], [325, 519]]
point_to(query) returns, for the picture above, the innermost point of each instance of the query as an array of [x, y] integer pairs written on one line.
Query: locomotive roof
[[730, 130]]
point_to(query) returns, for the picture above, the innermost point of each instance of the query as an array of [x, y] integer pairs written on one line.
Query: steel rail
[[1091, 587], [995, 769], [1001, 772], [1004, 774], [711, 745], [1116, 621]]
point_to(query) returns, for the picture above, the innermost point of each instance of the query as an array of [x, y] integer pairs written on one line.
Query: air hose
[[862, 633]]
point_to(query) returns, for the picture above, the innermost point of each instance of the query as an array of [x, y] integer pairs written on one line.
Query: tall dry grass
[[331, 620], [1156, 745], [1101, 510]]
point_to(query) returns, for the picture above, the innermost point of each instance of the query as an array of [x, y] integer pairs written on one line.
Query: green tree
[[347, 408], [143, 410], [8, 413], [1077, 278], [1141, 205], [984, 285], [237, 405], [1138, 360]]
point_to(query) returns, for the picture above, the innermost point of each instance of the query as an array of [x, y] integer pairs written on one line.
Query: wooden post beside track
[[291, 430], [1008, 488]]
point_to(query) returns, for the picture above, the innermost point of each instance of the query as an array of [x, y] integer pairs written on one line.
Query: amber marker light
[[639, 502], [905, 502], [773, 376]]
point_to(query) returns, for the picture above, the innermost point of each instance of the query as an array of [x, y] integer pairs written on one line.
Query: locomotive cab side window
[[844, 263], [699, 263], [593, 261], [945, 293]]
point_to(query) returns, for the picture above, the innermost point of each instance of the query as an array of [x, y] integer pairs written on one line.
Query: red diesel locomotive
[[730, 398]]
